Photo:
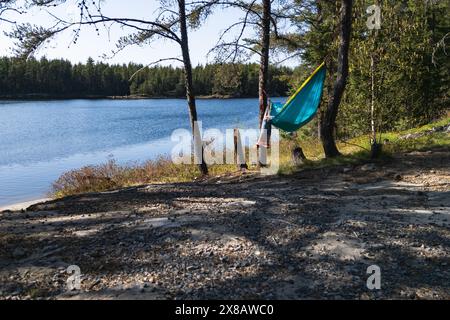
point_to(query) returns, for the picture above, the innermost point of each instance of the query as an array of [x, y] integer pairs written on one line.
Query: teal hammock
[[302, 106]]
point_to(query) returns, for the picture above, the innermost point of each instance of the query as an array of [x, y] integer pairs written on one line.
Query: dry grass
[[111, 175], [357, 149]]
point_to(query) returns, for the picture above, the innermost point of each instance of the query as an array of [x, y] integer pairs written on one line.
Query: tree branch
[[153, 63]]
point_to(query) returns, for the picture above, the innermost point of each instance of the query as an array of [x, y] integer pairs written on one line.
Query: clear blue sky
[[92, 45]]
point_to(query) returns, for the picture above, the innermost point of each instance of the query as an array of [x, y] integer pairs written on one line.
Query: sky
[[92, 45]]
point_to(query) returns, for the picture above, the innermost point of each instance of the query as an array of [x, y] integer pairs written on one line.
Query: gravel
[[310, 235]]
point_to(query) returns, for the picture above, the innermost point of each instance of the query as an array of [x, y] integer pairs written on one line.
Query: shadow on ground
[[305, 236]]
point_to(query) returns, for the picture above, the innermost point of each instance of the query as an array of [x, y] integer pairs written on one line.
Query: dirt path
[[309, 235]]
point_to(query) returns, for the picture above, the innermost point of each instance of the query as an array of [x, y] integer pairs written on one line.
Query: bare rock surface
[[308, 235]]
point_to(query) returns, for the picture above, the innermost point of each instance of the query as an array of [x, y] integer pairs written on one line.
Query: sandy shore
[[23, 205], [309, 235]]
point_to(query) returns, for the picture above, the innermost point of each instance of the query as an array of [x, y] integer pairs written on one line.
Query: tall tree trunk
[[372, 100], [264, 62], [330, 113], [319, 111], [263, 76], [319, 121], [198, 143]]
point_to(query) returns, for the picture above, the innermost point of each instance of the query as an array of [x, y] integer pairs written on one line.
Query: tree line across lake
[[61, 78]]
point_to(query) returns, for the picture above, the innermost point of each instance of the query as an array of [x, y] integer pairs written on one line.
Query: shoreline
[[22, 205], [38, 97], [155, 242]]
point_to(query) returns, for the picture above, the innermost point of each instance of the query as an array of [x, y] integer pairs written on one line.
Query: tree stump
[[298, 157]]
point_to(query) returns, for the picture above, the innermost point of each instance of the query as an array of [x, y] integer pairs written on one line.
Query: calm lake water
[[39, 140]]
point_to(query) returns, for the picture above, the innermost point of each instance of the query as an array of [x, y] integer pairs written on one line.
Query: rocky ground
[[309, 235]]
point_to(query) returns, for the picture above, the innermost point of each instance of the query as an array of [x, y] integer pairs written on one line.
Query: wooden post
[[262, 156], [239, 153]]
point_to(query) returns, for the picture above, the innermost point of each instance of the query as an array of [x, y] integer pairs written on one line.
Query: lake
[[40, 140]]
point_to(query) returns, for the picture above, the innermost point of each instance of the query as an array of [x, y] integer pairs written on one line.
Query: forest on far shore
[[61, 78], [392, 77]]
